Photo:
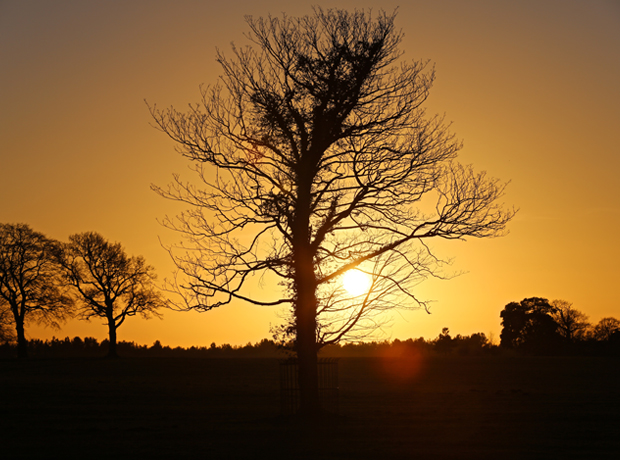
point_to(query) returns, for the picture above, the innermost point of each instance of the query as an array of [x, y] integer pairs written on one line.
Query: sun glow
[[356, 282]]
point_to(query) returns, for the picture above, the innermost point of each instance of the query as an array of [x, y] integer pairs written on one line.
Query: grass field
[[451, 407]]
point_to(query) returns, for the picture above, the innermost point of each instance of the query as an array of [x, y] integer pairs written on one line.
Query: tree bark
[[306, 303], [112, 334], [22, 343], [307, 351]]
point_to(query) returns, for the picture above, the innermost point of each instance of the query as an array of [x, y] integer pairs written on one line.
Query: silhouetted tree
[[317, 157], [572, 324], [529, 326], [444, 343], [29, 281], [109, 283], [606, 328]]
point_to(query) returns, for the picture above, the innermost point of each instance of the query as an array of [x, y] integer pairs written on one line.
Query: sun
[[356, 282]]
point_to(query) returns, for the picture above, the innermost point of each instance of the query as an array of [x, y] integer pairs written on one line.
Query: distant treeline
[[475, 344], [461, 345]]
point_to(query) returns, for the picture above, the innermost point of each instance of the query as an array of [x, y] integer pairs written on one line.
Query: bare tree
[[110, 284], [316, 157], [29, 281], [606, 328], [572, 324]]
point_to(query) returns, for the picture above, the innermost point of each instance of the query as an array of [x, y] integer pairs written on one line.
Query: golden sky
[[532, 87]]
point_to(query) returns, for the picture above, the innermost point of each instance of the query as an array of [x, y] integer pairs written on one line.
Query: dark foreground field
[[483, 407]]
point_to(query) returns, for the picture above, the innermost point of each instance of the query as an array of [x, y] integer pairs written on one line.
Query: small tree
[[572, 324], [606, 328], [109, 283], [30, 287], [444, 342], [316, 158]]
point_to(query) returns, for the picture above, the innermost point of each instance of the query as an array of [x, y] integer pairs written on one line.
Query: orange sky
[[530, 86]]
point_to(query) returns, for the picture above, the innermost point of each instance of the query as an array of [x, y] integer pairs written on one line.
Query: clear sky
[[531, 86]]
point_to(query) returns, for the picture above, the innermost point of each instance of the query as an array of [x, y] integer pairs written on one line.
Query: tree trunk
[[22, 343], [307, 354], [305, 290], [112, 333]]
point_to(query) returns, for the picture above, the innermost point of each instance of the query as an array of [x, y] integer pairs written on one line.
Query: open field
[[452, 407]]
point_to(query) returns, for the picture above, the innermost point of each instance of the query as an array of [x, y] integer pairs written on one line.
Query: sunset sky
[[531, 86]]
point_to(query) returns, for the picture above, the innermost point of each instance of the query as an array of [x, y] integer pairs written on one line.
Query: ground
[[442, 407]]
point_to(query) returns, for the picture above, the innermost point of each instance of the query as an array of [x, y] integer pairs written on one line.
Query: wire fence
[[328, 385]]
